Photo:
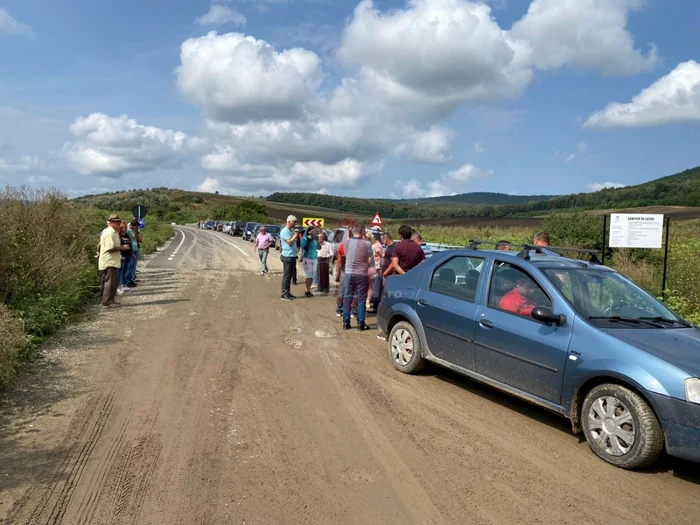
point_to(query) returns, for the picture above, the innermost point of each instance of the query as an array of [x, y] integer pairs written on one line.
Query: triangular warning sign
[[377, 221]]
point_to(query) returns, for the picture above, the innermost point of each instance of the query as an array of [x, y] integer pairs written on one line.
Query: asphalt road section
[[207, 400]]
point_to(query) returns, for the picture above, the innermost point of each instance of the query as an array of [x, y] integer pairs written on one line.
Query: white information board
[[636, 230]]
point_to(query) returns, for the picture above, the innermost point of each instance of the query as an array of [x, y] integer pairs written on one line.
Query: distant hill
[[477, 199], [681, 189], [189, 206]]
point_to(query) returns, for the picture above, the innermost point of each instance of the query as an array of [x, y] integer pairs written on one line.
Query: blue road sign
[[142, 223]]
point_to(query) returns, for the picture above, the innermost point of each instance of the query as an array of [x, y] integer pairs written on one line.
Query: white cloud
[[237, 78], [479, 146], [434, 54], [430, 147], [9, 25], [221, 15], [327, 140], [451, 183], [21, 164], [234, 176], [672, 98], [597, 186], [112, 146], [210, 185], [585, 34]]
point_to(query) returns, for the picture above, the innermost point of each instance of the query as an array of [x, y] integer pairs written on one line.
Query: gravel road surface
[[207, 400]]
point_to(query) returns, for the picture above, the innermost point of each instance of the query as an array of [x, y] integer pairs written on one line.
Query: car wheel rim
[[402, 347], [612, 426]]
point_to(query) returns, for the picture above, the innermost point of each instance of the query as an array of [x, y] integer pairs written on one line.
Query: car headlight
[[692, 390]]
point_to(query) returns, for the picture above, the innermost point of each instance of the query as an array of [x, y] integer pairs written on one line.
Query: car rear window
[[458, 277]]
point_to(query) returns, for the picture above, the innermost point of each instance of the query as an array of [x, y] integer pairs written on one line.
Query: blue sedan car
[[574, 337]]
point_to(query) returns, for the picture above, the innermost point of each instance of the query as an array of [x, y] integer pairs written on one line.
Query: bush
[[577, 230], [12, 343]]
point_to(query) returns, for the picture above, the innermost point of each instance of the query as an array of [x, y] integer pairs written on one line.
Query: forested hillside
[[681, 189]]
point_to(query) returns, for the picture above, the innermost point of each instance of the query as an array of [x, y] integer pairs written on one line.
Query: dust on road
[[208, 400]]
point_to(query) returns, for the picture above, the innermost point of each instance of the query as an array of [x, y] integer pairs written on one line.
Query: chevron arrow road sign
[[312, 222]]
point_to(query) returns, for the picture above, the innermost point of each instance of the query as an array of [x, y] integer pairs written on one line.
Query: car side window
[[514, 290], [458, 277]]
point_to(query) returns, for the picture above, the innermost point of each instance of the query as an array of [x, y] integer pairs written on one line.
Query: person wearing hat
[[110, 260], [289, 239]]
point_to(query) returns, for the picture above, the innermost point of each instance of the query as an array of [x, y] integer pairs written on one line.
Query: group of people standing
[[363, 262], [118, 254]]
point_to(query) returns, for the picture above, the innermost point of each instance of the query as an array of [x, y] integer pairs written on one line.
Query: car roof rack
[[540, 250], [474, 245]]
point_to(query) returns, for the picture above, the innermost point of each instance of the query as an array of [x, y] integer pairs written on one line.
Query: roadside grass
[[48, 273]]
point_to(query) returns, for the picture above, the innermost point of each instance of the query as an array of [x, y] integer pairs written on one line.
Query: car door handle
[[486, 323], [422, 302]]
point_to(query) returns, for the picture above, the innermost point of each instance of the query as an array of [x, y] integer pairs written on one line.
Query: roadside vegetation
[[581, 230], [48, 272]]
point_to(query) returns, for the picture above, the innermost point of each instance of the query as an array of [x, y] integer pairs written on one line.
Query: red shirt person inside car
[[520, 299]]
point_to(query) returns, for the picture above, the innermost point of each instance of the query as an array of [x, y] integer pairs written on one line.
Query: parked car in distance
[[248, 230], [227, 228], [236, 228], [574, 337], [209, 225]]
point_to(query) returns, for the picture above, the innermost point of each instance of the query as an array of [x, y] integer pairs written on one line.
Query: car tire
[[620, 427], [405, 348]]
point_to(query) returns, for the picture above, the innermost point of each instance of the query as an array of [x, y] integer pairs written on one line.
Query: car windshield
[[609, 297], [273, 229]]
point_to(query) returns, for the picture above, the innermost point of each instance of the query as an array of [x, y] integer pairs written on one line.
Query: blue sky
[[391, 98]]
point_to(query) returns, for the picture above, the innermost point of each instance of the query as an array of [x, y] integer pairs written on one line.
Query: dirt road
[[207, 400]]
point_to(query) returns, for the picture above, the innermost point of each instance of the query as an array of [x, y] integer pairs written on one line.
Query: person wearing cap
[[289, 239], [110, 260]]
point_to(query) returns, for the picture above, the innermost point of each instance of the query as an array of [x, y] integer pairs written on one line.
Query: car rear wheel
[[620, 427], [405, 349]]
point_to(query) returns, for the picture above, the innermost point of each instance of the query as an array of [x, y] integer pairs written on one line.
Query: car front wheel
[[620, 427], [405, 348]]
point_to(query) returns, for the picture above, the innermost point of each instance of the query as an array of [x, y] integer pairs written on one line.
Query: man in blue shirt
[[289, 239]]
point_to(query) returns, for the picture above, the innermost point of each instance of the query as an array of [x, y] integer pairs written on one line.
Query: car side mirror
[[547, 316]]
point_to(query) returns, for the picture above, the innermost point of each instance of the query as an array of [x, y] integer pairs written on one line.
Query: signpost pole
[[663, 280], [605, 228]]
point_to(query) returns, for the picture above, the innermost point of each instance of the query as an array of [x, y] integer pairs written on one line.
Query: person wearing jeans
[[127, 259], [133, 233], [290, 247], [262, 244], [358, 254]]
